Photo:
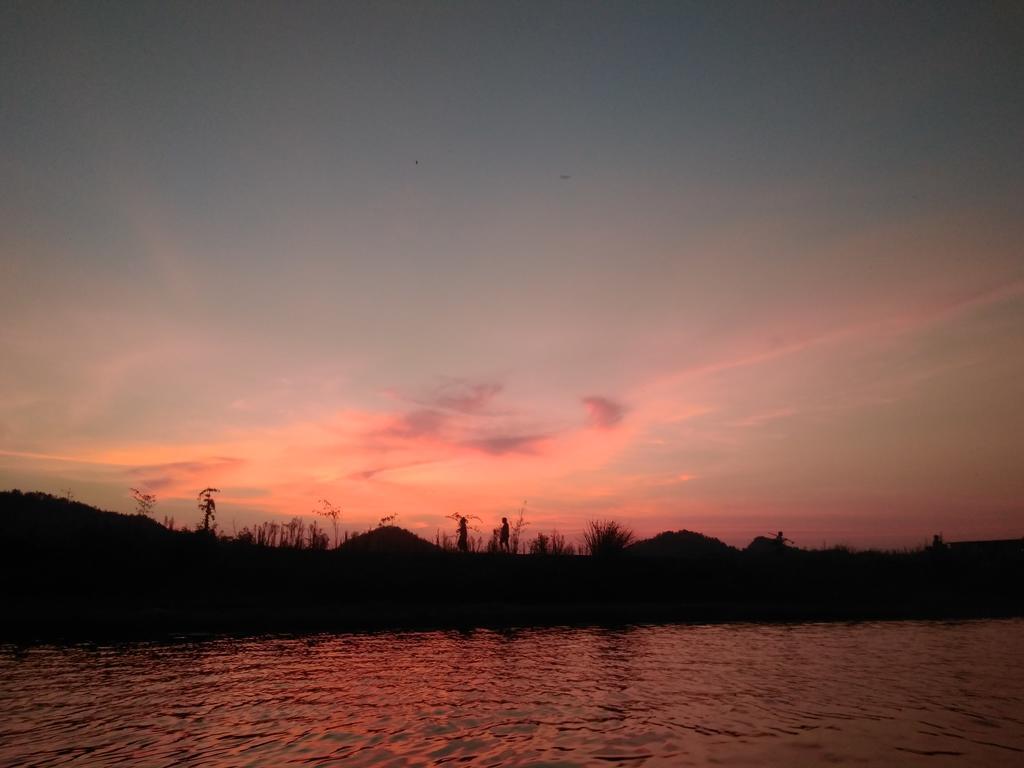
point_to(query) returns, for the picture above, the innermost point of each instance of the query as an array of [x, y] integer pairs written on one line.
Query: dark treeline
[[73, 570]]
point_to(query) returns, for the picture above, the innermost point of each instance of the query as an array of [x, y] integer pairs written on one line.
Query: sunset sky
[[729, 267]]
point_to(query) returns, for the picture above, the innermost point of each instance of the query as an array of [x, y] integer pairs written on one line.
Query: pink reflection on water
[[672, 695]]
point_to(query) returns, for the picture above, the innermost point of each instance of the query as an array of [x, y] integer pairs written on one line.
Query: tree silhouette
[[207, 505], [331, 512], [144, 502]]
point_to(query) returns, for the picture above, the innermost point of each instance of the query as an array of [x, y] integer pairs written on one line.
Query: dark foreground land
[[70, 571]]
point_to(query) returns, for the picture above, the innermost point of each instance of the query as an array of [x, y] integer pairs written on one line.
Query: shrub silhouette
[[518, 525], [550, 544], [605, 538], [494, 543], [559, 545], [293, 534], [316, 537]]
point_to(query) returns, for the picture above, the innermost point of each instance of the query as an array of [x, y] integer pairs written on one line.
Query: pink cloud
[[603, 412], [464, 396], [370, 474], [502, 444], [177, 473], [455, 451], [421, 423]]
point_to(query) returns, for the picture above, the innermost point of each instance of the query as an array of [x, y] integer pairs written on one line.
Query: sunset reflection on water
[[652, 695]]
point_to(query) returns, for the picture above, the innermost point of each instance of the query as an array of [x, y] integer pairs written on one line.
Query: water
[[887, 693]]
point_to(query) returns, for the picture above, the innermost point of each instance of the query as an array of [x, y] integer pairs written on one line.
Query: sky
[[729, 267]]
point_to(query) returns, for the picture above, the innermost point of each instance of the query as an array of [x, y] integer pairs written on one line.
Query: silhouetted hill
[[389, 539], [684, 543], [39, 519]]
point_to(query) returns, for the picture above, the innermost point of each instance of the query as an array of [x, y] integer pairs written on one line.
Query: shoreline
[[73, 573], [67, 624]]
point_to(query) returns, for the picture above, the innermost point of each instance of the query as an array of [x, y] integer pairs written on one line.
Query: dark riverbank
[[101, 621], [77, 574]]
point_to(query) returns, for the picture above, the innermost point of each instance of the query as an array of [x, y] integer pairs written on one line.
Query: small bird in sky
[[565, 176]]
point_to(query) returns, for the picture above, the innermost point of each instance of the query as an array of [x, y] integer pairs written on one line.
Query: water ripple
[[666, 695]]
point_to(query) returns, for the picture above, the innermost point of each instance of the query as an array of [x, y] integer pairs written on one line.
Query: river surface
[[914, 693]]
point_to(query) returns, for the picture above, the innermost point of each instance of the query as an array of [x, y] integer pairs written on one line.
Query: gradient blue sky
[[307, 250]]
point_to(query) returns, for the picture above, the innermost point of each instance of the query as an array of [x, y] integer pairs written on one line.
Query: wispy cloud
[[370, 474], [603, 412], [499, 445], [464, 396], [416, 424], [176, 473]]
